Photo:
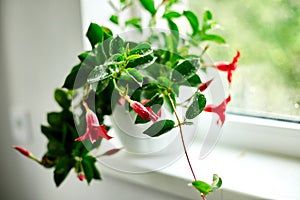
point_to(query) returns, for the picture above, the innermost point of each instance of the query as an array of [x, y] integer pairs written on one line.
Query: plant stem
[[181, 136], [203, 196]]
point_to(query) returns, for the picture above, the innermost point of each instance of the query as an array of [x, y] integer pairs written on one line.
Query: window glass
[[267, 81]]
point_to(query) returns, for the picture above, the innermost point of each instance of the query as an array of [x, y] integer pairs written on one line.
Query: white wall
[[39, 43]]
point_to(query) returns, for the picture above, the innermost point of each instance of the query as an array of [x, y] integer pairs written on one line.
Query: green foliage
[[196, 107], [116, 68], [149, 6], [159, 128], [206, 188]]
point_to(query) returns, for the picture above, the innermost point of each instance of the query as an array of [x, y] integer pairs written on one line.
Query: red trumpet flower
[[93, 129], [229, 67], [219, 110]]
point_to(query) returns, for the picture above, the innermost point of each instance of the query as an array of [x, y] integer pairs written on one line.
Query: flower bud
[[81, 177]]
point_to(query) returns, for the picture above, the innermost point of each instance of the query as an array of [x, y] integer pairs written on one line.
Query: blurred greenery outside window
[[267, 33]]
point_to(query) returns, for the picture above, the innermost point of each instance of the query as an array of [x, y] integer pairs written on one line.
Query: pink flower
[[229, 67], [93, 129], [219, 110], [23, 151], [204, 86], [81, 177], [145, 113]]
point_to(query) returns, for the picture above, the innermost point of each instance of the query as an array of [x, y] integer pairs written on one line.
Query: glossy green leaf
[[193, 20], [62, 169], [196, 107], [159, 128], [135, 75], [55, 119], [207, 16], [51, 133], [149, 5], [155, 100], [95, 34], [87, 163], [55, 148], [171, 14], [99, 73], [141, 49], [184, 70], [114, 19], [213, 38], [62, 98], [202, 187], [77, 78], [134, 21], [217, 182], [193, 81], [116, 46]]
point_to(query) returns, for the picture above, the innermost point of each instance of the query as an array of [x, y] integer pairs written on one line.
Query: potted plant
[[137, 76]]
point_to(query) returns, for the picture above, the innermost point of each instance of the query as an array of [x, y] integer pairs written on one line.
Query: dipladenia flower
[[93, 129], [229, 67], [204, 86], [219, 110], [145, 113], [26, 153]]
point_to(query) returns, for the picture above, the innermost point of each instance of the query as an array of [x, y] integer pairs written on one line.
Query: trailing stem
[[183, 142]]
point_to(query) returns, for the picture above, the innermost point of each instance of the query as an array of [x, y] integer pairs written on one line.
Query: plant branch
[[181, 135]]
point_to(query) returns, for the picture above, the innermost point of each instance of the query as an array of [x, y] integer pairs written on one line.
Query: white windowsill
[[246, 168]]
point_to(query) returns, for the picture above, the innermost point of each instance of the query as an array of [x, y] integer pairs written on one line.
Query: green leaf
[[99, 86], [62, 169], [217, 182], [116, 46], [78, 77], [164, 81], [52, 133], [55, 148], [99, 73], [159, 128], [95, 34], [149, 5], [185, 70], [141, 49], [193, 20], [134, 21], [135, 75], [171, 14], [87, 163], [194, 81], [207, 16], [202, 187], [196, 107], [62, 98], [114, 19], [214, 38], [55, 119], [172, 26], [89, 168], [155, 100]]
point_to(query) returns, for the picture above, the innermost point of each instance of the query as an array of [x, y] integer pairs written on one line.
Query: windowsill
[[244, 171]]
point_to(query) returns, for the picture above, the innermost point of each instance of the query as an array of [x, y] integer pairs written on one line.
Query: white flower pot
[[131, 135]]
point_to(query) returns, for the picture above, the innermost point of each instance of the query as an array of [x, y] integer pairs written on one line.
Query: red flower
[[27, 153], [81, 177], [93, 129], [204, 86], [229, 67], [23, 151], [219, 110], [145, 113]]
